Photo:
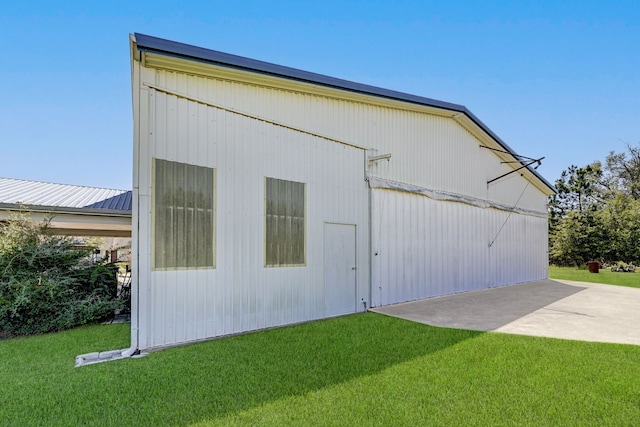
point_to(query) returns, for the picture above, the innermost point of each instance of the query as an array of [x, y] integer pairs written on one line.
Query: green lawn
[[365, 369], [604, 276]]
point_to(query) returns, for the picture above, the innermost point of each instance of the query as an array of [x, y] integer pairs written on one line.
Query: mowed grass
[[604, 276], [364, 369]]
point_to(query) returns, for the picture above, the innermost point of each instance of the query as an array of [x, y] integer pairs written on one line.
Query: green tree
[[620, 220], [577, 189], [44, 286], [579, 237], [623, 172], [595, 214]]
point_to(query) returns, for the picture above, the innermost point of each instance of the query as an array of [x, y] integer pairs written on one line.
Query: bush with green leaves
[[46, 284]]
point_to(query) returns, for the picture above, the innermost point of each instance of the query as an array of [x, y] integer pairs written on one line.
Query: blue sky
[[559, 79]]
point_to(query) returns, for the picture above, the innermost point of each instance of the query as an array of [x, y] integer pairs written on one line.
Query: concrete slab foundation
[[548, 308]]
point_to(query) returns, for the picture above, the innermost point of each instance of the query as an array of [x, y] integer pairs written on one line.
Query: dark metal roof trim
[[167, 47], [154, 44], [121, 202]]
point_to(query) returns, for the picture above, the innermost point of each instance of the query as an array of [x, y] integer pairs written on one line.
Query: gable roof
[[36, 195], [157, 45]]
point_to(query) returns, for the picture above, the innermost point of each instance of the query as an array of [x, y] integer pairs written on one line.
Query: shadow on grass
[[214, 379]]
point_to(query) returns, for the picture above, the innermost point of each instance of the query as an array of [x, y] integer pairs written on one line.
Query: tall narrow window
[[184, 216], [284, 223]]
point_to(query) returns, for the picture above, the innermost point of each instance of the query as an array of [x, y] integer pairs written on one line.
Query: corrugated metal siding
[[240, 294], [420, 247], [430, 151], [512, 190], [424, 248]]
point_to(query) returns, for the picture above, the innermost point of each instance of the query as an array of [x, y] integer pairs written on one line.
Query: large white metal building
[[265, 195]]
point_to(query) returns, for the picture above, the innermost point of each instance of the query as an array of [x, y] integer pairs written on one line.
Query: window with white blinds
[[184, 232], [284, 223]]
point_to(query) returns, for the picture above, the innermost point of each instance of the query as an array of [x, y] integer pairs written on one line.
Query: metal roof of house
[[181, 50], [35, 194]]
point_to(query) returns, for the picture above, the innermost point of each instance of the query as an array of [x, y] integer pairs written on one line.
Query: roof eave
[[16, 207]]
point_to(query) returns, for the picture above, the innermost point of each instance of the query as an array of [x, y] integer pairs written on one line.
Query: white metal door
[[339, 269]]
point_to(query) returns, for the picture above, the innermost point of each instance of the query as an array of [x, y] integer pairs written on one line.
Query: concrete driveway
[[548, 308]]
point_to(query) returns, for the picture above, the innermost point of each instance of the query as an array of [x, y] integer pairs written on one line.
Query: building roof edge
[[171, 48]]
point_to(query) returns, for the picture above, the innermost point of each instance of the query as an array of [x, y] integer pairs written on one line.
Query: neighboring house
[[265, 195], [74, 210]]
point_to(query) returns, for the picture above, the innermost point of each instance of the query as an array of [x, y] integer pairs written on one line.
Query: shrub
[[43, 285]]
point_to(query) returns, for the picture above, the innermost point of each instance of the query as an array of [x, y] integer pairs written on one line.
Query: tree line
[[595, 215]]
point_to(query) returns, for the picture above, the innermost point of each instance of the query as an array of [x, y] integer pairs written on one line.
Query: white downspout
[[132, 351]]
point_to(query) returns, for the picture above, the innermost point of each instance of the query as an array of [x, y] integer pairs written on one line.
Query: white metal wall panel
[[430, 151], [420, 247], [240, 294], [424, 248]]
